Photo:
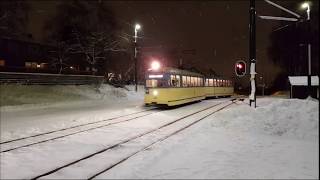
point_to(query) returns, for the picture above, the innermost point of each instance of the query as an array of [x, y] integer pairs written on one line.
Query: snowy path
[[50, 155], [229, 146], [14, 144], [102, 162]]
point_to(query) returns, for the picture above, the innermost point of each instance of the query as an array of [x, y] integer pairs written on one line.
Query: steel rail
[[157, 141], [124, 141], [71, 127], [77, 132]]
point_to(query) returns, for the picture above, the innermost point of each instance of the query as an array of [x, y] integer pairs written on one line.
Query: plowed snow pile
[[293, 118], [35, 95]]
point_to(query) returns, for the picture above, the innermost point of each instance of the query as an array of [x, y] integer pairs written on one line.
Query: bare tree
[[60, 56], [97, 45]]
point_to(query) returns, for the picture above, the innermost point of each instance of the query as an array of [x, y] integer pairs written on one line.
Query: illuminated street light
[[136, 28], [306, 5]]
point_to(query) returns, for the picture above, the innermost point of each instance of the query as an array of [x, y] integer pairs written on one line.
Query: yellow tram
[[171, 86]]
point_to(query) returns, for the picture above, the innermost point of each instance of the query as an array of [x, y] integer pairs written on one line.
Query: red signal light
[[240, 68]]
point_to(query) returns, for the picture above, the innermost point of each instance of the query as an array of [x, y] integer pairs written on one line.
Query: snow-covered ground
[[278, 139]]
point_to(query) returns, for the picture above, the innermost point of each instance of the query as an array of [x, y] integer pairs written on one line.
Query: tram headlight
[[155, 65], [155, 93]]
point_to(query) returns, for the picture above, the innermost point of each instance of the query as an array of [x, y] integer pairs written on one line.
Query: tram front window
[[152, 83]]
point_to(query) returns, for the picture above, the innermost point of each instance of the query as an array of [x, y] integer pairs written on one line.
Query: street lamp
[[306, 6], [136, 28]]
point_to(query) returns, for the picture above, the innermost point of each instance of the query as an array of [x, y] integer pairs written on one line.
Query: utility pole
[[252, 52], [135, 67], [309, 47]]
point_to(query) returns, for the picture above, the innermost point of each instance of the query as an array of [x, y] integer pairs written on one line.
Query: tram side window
[[188, 81], [178, 80], [184, 81], [156, 83], [210, 82], [163, 83], [175, 80], [195, 81], [207, 82], [151, 83], [215, 82], [191, 81]]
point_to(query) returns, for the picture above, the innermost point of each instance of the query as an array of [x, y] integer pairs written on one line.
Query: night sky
[[217, 30]]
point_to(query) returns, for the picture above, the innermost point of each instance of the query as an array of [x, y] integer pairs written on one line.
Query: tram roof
[[171, 70]]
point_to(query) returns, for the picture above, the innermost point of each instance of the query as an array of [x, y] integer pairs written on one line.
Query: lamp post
[[307, 7], [136, 28]]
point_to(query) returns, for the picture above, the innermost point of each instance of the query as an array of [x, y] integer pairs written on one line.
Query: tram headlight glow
[[155, 65], [155, 92]]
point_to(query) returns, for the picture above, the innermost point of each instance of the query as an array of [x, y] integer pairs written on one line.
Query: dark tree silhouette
[[289, 45], [14, 19], [90, 29]]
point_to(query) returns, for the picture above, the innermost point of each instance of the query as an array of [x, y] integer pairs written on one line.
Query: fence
[[48, 79]]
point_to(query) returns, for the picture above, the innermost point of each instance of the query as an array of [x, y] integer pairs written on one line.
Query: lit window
[[184, 81], [156, 76], [210, 82]]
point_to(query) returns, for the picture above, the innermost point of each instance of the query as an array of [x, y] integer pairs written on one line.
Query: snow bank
[[280, 117], [12, 95], [277, 140]]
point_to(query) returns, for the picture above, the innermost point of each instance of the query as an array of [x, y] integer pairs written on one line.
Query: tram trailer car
[[171, 86]]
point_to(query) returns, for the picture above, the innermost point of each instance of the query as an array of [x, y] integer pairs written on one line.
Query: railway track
[[131, 139], [15, 144]]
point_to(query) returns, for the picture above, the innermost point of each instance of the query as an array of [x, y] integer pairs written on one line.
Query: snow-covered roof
[[303, 80]]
